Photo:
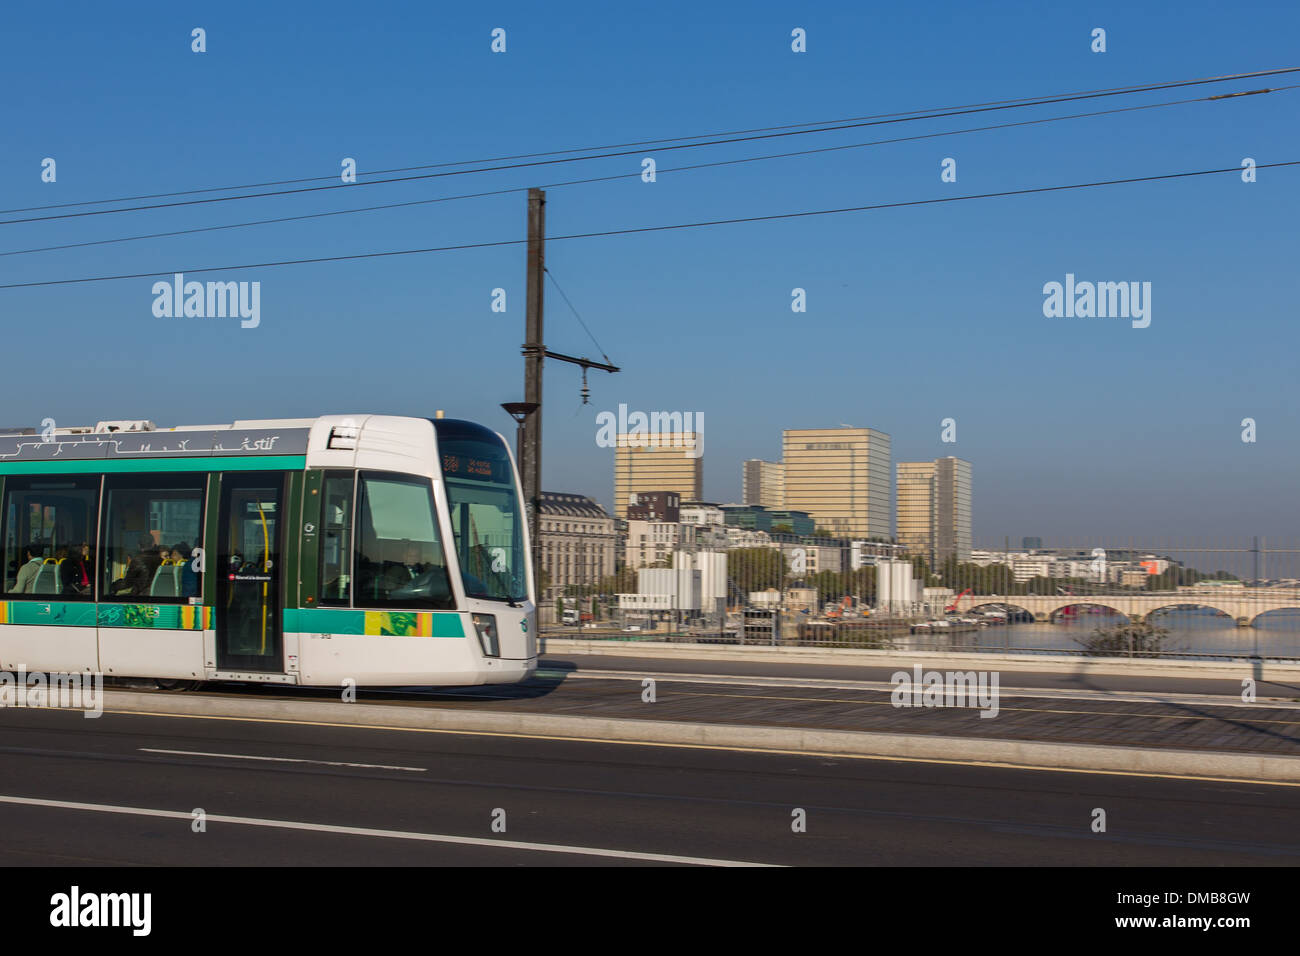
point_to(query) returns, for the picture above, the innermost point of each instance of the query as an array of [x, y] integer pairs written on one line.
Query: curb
[[866, 657], [1037, 755]]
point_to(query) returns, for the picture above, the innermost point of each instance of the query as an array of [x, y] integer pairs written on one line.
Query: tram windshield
[[486, 516]]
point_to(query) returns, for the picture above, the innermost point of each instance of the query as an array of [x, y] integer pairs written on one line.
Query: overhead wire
[[889, 119], [650, 229], [635, 174], [1007, 103], [574, 310]]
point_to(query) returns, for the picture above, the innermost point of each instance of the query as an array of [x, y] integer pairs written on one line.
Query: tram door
[[248, 573]]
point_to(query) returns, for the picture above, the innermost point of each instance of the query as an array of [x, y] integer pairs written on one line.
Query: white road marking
[[387, 834], [323, 763]]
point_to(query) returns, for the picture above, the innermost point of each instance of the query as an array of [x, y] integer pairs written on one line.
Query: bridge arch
[[1255, 620], [1055, 615], [1186, 604], [1013, 608]]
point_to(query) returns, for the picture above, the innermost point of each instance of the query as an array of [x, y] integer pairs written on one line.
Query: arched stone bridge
[[1243, 605]]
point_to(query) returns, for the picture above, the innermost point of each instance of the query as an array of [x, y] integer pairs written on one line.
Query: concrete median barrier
[[867, 657]]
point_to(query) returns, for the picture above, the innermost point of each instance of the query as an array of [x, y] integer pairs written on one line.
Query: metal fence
[[1135, 599]]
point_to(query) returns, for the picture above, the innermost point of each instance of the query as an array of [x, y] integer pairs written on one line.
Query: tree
[[862, 583], [1176, 576], [756, 569], [782, 529], [1042, 585], [1131, 639], [622, 582], [829, 584]]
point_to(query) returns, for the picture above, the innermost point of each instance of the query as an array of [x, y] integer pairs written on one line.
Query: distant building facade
[[799, 522], [914, 500], [952, 491], [934, 508], [654, 506], [577, 541], [701, 513], [840, 477], [752, 517], [763, 483], [671, 465], [650, 542]]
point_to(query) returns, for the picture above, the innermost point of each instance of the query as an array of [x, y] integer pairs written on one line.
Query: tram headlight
[[486, 626]]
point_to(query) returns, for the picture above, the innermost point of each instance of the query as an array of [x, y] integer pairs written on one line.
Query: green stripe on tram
[[190, 617], [323, 620], [95, 466], [166, 617], [48, 613]]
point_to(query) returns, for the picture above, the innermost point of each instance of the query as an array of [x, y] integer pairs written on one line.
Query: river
[[1192, 633]]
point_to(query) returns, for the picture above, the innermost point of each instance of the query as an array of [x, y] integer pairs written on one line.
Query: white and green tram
[[371, 548]]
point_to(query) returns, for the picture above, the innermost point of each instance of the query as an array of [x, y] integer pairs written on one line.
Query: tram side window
[[399, 557], [336, 541], [152, 526], [49, 537]]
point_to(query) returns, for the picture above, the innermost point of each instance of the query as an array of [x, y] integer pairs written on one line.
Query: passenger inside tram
[[76, 570], [34, 555], [189, 577], [140, 571]]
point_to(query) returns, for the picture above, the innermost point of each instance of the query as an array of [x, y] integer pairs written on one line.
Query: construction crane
[[838, 612], [957, 600]]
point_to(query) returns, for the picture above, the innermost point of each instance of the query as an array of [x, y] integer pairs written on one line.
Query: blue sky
[[1076, 428]]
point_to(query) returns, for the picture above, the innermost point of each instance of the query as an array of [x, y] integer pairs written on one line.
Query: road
[[1072, 710], [569, 802]]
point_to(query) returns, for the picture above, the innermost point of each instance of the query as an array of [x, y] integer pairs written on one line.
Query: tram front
[[490, 529]]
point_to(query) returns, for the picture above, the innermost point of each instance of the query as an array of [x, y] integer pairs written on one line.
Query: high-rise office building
[[934, 508], [839, 476], [673, 463], [763, 483], [952, 488], [915, 503]]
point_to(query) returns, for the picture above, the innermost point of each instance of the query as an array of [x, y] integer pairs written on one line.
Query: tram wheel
[[178, 686]]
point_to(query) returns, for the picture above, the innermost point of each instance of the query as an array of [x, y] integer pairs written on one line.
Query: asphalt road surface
[[123, 789]]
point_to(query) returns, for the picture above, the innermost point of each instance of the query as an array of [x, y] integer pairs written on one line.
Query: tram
[[380, 550]]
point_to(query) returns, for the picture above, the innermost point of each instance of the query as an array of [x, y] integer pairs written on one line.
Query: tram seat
[[166, 580], [48, 578]]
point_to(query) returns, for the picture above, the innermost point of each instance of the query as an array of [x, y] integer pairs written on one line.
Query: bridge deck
[[1242, 604], [1193, 722]]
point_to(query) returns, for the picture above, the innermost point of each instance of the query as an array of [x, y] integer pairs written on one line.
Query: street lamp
[[520, 411]]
